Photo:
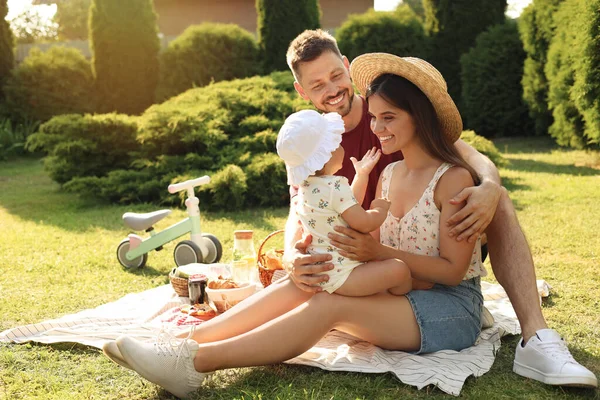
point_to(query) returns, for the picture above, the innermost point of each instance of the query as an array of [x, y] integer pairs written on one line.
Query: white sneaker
[[168, 362], [111, 350], [547, 359]]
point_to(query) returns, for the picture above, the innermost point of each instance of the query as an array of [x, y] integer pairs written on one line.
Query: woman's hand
[[302, 267], [367, 163], [473, 219], [355, 245]]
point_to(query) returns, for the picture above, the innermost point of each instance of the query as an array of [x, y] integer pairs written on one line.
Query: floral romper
[[321, 202]]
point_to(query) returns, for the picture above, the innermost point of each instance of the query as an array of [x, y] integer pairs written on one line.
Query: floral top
[[320, 203], [417, 232]]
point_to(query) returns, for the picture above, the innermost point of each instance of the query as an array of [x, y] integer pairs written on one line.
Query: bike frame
[[190, 224]]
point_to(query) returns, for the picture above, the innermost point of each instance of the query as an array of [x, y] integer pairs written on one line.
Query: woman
[[413, 113]]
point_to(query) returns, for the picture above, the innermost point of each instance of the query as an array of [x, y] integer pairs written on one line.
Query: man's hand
[[303, 267], [367, 163], [354, 245], [472, 220]]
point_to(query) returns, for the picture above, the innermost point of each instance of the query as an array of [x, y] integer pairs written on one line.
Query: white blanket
[[143, 314]]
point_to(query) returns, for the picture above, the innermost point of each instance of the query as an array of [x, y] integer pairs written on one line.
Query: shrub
[[206, 53], [227, 188], [217, 130], [56, 82], [572, 72], [492, 95], [536, 29], [125, 46], [388, 32], [14, 136], [279, 22], [484, 146], [267, 180], [88, 145], [453, 27], [7, 57]]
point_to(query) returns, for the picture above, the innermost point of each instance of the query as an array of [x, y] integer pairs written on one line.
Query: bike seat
[[141, 222]]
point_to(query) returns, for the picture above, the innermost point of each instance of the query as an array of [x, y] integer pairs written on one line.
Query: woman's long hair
[[403, 94]]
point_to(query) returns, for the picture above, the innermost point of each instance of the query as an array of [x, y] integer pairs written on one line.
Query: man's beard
[[344, 111]]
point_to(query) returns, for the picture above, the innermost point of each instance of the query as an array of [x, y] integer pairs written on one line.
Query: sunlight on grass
[[58, 257]]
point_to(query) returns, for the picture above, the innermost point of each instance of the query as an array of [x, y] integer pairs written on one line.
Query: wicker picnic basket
[[265, 274], [180, 285]]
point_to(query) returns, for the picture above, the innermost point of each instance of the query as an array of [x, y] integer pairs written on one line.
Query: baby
[[309, 144]]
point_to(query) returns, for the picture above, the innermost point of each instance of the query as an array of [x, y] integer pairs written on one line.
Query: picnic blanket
[[142, 315]]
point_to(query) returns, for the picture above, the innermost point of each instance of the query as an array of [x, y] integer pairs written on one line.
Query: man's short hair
[[309, 45]]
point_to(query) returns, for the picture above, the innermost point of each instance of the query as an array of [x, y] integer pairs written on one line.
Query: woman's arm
[[450, 267]]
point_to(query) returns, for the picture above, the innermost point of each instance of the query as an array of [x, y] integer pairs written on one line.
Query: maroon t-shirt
[[356, 143]]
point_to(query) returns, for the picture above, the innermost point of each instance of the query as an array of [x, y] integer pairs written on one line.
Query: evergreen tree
[[453, 26], [536, 28], [7, 57], [279, 22], [125, 45]]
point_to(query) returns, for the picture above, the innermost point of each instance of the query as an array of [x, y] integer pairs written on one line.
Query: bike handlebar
[[177, 187]]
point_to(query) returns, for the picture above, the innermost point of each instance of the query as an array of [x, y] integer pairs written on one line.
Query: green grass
[[57, 256]]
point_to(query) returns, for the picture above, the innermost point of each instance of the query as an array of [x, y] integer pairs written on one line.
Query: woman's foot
[[111, 350], [168, 363]]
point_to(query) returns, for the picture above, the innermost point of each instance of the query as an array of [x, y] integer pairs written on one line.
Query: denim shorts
[[449, 317]]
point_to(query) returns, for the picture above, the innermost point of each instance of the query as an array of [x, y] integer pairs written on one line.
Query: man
[[322, 77]]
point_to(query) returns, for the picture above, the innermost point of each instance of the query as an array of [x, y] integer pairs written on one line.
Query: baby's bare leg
[[377, 276]]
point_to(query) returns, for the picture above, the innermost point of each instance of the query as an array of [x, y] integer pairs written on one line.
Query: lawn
[[57, 256]]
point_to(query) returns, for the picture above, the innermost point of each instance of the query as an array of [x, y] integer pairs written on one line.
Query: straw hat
[[306, 141], [364, 69]]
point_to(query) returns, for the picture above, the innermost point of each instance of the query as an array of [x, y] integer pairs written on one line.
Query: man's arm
[[472, 220]]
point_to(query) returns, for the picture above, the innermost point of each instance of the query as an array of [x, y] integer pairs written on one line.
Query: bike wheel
[[137, 262], [215, 249], [187, 252]]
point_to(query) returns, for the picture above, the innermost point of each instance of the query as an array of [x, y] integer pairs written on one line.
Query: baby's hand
[[381, 203], [368, 162]]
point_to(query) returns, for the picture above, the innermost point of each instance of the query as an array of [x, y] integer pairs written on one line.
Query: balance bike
[[133, 251]]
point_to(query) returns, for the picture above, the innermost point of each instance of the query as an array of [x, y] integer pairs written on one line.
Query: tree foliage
[[573, 73], [279, 22], [453, 26], [492, 95], [7, 56], [72, 19], [399, 32], [537, 28], [125, 46]]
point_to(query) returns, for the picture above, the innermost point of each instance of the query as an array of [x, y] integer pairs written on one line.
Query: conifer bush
[[56, 82], [206, 53], [400, 33], [85, 145], [536, 28], [492, 95], [125, 45], [453, 27], [573, 78], [7, 56], [279, 22]]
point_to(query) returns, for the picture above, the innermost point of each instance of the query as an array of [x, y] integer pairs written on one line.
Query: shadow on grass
[[28, 193], [528, 165]]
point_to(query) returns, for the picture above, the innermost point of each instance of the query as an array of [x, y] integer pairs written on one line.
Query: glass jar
[[244, 256]]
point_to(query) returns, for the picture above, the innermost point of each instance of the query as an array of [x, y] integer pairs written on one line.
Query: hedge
[[492, 95], [7, 56], [400, 33], [206, 53], [56, 82]]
